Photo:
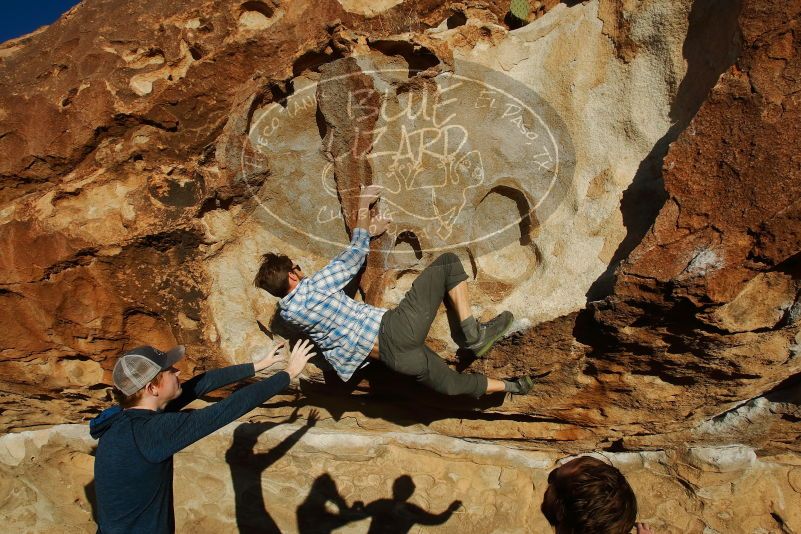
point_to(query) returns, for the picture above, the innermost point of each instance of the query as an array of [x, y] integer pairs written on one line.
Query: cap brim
[[173, 356]]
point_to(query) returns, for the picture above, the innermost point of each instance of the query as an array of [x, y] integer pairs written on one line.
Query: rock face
[[623, 176], [253, 477]]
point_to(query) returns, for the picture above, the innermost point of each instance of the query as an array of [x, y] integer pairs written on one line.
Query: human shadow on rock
[[378, 392], [712, 45], [394, 515], [247, 467], [314, 513], [91, 495], [282, 328]]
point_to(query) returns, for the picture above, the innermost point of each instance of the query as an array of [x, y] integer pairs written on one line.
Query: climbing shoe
[[523, 384], [490, 332], [518, 386]]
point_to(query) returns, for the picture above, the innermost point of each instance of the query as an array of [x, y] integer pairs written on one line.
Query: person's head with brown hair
[[277, 274], [588, 496]]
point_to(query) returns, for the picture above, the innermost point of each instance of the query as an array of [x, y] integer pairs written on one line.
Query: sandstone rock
[[762, 303], [140, 185], [264, 473]]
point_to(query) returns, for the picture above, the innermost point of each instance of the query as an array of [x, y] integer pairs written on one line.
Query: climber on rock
[[138, 438], [348, 332]]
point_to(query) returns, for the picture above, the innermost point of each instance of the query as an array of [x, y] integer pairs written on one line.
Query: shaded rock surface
[[658, 271]]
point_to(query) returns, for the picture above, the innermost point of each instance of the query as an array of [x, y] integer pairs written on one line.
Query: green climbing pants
[[401, 339]]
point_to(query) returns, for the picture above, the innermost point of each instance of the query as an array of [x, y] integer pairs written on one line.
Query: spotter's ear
[[153, 390]]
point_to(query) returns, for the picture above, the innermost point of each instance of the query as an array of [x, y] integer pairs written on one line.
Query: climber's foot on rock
[[524, 384], [490, 332], [519, 386]]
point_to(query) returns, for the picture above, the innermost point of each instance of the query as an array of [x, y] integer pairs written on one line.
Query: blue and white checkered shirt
[[344, 329]]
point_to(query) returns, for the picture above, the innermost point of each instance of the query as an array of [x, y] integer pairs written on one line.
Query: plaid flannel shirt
[[344, 329]]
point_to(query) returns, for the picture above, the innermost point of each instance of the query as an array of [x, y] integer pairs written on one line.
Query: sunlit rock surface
[[310, 479], [623, 176]]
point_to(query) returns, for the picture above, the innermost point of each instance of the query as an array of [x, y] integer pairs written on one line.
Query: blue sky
[[18, 17]]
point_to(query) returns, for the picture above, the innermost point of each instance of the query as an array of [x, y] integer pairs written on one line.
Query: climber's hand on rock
[[378, 224], [369, 195], [642, 528]]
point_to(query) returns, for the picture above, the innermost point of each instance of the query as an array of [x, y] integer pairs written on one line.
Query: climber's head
[[588, 495], [278, 275]]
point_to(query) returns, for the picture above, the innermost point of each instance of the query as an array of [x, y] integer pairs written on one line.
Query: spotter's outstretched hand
[[270, 358], [300, 356]]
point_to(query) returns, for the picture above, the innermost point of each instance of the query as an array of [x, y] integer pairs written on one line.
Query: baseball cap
[[137, 367]]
